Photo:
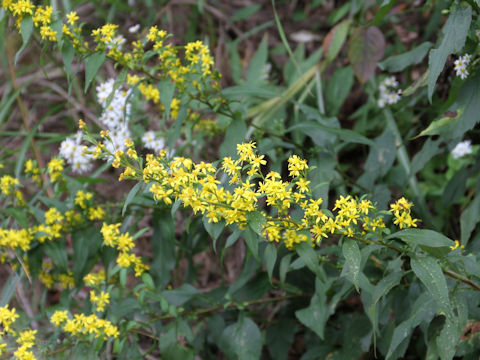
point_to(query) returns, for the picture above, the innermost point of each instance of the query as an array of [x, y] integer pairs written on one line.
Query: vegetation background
[[299, 78]]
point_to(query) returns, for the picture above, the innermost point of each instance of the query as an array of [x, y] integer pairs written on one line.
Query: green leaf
[[86, 243], [353, 259], [365, 49], [430, 241], [57, 252], [180, 295], [429, 150], [214, 229], [92, 65], [131, 195], [448, 338], [400, 62], [455, 187], [270, 256], [252, 239], [431, 275], [67, 58], [245, 12], [335, 39], [310, 258], [338, 89], [421, 311], [256, 221], [26, 29], [235, 134], [469, 219], [242, 340], [257, 63], [167, 90], [346, 135], [279, 338], [454, 35], [315, 316], [382, 12], [249, 90]]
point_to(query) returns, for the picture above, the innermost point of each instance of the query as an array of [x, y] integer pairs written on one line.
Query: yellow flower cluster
[[25, 339], [401, 212], [8, 184], [197, 187], [32, 169], [100, 300], [82, 324], [94, 279], [54, 168], [124, 244]]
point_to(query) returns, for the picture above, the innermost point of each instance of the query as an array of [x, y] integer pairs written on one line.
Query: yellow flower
[[72, 18]]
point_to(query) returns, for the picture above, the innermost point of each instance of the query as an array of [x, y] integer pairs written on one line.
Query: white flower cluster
[[76, 154], [153, 143], [461, 149], [461, 66], [117, 42], [387, 95], [115, 115]]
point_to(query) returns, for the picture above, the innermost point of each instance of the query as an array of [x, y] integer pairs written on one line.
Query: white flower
[[461, 149], [75, 153], [387, 96], [134, 28], [266, 71], [153, 143], [460, 66], [116, 42]]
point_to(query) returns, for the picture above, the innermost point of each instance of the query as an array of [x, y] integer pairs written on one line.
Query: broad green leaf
[[257, 63], [430, 241], [380, 159], [448, 338], [338, 89], [26, 29], [431, 275], [67, 58], [310, 258], [421, 311], [279, 338], [315, 316], [242, 340], [381, 289], [180, 295], [465, 116], [256, 221], [131, 195], [455, 187], [335, 39], [57, 252], [454, 35], [245, 12], [86, 243], [353, 258], [270, 256], [167, 90], [92, 65], [235, 134], [249, 90], [174, 131], [252, 240], [365, 49], [469, 219], [214, 229], [429, 150], [346, 135], [250, 267], [400, 62], [284, 266], [163, 247]]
